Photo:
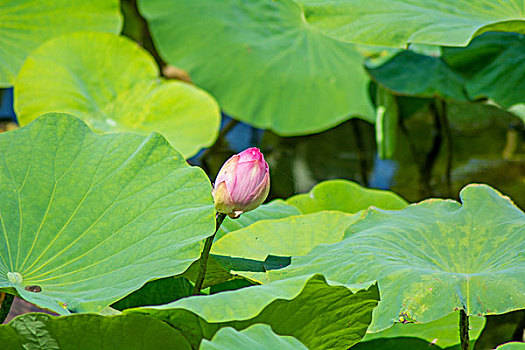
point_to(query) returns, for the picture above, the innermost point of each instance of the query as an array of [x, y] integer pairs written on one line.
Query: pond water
[[487, 146]]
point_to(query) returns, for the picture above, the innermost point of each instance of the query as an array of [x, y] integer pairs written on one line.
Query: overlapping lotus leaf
[[412, 74], [113, 84], [435, 22], [442, 333], [291, 236], [431, 258], [301, 307], [493, 65], [345, 196]]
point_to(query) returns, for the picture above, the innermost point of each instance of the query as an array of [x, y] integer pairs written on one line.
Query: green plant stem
[[463, 330], [425, 172], [410, 141], [6, 300], [447, 137], [219, 218]]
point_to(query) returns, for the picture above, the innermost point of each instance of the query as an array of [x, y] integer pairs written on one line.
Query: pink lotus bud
[[242, 184]]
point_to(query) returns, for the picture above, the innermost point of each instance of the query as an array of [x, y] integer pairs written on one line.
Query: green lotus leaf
[[257, 337], [301, 307], [431, 258], [86, 219], [345, 196], [113, 84], [493, 65], [412, 74], [220, 266], [88, 331], [435, 22], [276, 209], [442, 332], [26, 24], [502, 81], [487, 68], [399, 343], [262, 62], [297, 235], [165, 290], [215, 272], [511, 346], [292, 236], [479, 53]]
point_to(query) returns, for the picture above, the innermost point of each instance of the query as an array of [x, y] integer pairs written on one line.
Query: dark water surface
[[487, 146]]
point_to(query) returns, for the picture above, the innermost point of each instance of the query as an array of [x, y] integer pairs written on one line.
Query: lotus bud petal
[[242, 184]]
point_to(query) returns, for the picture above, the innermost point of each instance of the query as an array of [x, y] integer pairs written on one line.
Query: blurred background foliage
[[452, 125]]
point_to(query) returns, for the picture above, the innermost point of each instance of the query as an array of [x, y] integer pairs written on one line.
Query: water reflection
[[487, 147]]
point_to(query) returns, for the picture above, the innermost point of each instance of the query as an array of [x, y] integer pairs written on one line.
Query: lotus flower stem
[[463, 330], [6, 300], [241, 185], [219, 218]]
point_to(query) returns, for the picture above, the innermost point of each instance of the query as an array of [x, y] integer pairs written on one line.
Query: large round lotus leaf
[[301, 307], [443, 332], [88, 332], [256, 337], [87, 219], [436, 22], [345, 196], [262, 62], [292, 236], [276, 209], [25, 24], [431, 258], [113, 85]]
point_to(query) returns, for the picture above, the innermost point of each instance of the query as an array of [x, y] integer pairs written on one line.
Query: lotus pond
[[384, 209]]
